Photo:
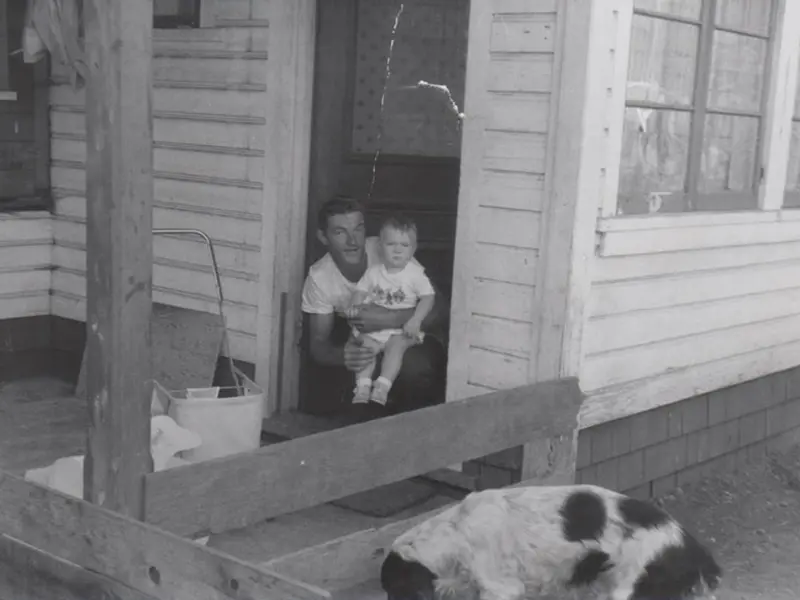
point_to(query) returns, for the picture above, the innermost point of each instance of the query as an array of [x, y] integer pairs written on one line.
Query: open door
[[380, 136]]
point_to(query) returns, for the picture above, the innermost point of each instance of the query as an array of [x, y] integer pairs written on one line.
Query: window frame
[[791, 197], [690, 198]]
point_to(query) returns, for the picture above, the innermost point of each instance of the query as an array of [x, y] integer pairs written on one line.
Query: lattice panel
[[430, 44]]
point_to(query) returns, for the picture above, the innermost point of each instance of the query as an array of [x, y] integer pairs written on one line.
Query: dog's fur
[[531, 542]]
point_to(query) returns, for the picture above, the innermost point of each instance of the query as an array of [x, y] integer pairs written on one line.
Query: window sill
[[694, 219], [645, 234]]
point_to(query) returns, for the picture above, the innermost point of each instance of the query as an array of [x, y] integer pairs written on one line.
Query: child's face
[[397, 247]]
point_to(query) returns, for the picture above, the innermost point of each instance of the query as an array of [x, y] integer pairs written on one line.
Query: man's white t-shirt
[[326, 290]]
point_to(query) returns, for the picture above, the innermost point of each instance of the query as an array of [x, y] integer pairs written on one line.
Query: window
[[697, 83], [792, 196], [176, 14]]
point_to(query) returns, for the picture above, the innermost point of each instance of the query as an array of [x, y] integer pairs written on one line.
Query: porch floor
[[41, 420]]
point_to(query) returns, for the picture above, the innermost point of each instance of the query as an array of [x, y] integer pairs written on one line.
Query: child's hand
[[353, 311], [412, 328]]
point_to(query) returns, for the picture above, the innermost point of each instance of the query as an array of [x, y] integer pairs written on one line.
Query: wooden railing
[[53, 544]]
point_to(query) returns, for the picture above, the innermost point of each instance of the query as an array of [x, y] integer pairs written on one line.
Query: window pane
[[653, 163], [793, 170], [689, 9], [747, 15], [737, 72], [729, 154], [662, 60]]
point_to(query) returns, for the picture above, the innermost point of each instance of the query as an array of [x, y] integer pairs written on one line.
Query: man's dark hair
[[400, 222], [338, 205]]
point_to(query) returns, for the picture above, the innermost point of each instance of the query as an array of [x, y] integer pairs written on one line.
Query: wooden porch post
[[119, 192]]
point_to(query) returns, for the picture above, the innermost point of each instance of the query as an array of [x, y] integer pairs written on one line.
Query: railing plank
[[135, 554], [241, 490]]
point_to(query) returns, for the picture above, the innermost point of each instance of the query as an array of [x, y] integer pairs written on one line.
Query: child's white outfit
[[396, 291]]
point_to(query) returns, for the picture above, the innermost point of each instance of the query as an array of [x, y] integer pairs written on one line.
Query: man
[[333, 352]]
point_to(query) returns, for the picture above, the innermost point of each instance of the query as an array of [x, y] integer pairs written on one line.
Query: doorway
[[377, 133]]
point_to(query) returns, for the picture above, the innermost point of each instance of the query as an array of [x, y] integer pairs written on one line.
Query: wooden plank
[[506, 263], [192, 160], [513, 151], [641, 266], [520, 191], [228, 493], [519, 228], [501, 299], [41, 116], [26, 280], [497, 370], [618, 402], [520, 73], [72, 306], [29, 574], [618, 19], [284, 222], [472, 187], [606, 369], [135, 554], [651, 241], [119, 190], [662, 292], [501, 335], [527, 113], [25, 226], [344, 562], [202, 101], [523, 33], [637, 328], [180, 128], [231, 227], [192, 192], [24, 304], [779, 104]]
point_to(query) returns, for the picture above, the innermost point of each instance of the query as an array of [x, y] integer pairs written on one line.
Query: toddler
[[397, 282]]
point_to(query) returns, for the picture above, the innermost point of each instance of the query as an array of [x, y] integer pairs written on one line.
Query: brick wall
[[653, 452]]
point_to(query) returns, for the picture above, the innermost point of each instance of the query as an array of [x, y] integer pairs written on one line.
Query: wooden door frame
[[287, 131]]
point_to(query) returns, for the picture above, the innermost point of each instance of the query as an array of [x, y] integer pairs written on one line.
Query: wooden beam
[[119, 195], [290, 79], [134, 554], [779, 103], [237, 491]]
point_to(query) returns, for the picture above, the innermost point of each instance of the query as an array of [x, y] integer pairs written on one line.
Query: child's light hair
[[401, 223]]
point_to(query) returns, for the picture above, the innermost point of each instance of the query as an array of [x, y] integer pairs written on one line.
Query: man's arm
[[375, 318], [322, 350]]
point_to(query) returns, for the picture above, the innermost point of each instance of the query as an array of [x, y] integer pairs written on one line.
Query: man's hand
[[374, 318], [413, 328], [357, 355]]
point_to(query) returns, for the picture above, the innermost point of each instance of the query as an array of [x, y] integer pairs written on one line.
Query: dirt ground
[[751, 519]]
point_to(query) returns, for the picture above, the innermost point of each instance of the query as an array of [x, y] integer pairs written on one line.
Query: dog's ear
[[402, 579]]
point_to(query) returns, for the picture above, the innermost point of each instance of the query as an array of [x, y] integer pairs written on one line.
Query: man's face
[[344, 237]]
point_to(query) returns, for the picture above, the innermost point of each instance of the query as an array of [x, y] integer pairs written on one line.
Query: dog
[[574, 541]]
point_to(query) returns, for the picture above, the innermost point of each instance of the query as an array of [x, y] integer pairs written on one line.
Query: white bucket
[[227, 425]]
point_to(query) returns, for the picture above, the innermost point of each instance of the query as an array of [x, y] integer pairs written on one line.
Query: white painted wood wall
[[209, 105], [681, 305], [504, 149], [26, 247]]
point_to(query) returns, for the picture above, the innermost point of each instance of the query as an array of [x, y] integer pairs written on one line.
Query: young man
[[333, 353]]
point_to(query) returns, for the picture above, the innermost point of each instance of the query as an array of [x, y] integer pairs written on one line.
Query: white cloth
[[326, 290], [395, 291]]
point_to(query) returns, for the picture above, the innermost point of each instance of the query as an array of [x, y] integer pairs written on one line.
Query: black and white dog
[[577, 541]]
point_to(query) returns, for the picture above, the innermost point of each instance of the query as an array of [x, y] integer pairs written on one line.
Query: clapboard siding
[[209, 103], [26, 242], [687, 306], [496, 333]]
